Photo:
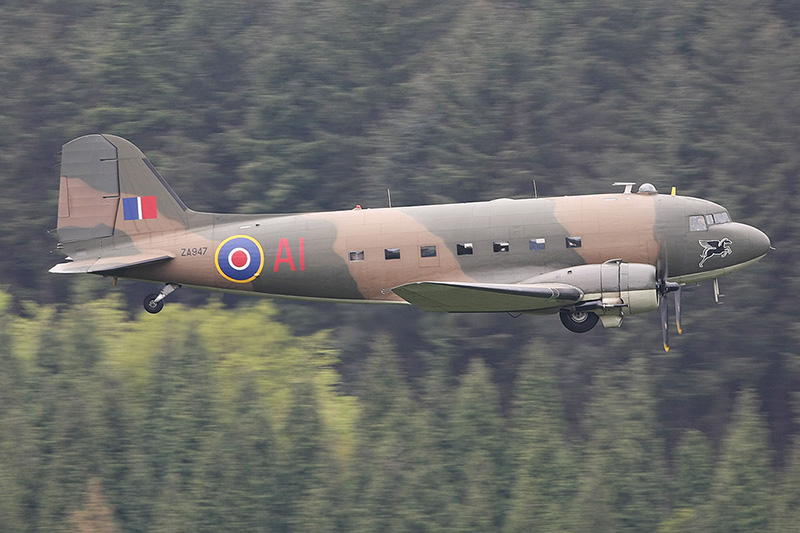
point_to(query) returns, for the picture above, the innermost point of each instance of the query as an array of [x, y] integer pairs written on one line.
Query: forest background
[[246, 414]]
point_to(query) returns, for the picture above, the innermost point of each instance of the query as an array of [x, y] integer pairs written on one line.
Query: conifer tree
[[740, 494], [236, 486], [304, 450], [328, 506], [622, 483], [386, 441], [477, 458], [16, 445], [545, 470], [694, 471], [404, 485], [69, 422], [786, 496], [181, 410]]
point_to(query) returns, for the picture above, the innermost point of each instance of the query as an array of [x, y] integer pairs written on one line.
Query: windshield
[[702, 222]]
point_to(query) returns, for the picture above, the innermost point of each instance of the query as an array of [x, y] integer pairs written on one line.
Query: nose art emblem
[[721, 248]]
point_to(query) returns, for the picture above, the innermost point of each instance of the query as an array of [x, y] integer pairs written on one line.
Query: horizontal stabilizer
[[105, 264], [455, 297]]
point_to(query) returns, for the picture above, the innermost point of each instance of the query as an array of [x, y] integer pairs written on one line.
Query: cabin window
[[537, 244], [464, 249], [427, 251], [356, 256], [574, 242], [500, 246], [697, 223], [392, 253]]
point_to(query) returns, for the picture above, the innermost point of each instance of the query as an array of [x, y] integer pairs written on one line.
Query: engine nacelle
[[612, 289], [638, 287]]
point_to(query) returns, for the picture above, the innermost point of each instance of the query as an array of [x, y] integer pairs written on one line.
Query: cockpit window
[[702, 222], [721, 218], [697, 223]]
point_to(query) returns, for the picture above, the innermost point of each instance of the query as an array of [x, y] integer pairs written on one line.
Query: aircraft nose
[[759, 242]]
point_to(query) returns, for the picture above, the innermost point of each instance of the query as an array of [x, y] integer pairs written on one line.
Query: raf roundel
[[239, 258]]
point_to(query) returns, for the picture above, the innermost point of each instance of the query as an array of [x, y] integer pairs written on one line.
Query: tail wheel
[[151, 305], [578, 321]]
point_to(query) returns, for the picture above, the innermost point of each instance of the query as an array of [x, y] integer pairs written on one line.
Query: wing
[[104, 264], [456, 297]]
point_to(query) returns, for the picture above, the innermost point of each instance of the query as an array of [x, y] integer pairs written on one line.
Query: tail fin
[[109, 188]]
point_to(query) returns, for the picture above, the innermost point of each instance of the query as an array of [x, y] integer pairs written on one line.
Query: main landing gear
[[153, 303], [578, 321]]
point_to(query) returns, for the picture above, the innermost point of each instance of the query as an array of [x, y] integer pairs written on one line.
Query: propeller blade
[[664, 287], [663, 306]]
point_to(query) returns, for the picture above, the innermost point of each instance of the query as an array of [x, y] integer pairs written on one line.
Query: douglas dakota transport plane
[[589, 258]]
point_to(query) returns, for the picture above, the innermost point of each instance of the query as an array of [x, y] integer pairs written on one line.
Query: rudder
[[109, 188]]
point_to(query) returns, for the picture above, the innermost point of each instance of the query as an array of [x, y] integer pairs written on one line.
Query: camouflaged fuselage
[[309, 255], [363, 254]]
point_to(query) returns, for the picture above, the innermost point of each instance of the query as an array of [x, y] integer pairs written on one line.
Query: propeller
[[665, 287]]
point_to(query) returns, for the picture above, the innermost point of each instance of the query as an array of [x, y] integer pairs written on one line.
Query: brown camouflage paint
[[613, 226], [307, 255]]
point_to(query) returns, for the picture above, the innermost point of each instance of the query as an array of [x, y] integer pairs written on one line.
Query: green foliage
[[694, 470], [478, 453], [546, 468], [404, 485], [181, 431], [740, 495], [196, 419], [171, 432], [786, 500], [623, 478]]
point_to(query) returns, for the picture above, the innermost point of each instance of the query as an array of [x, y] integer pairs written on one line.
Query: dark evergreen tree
[[237, 485], [304, 452], [622, 483], [181, 416], [403, 486], [694, 470], [786, 495], [17, 446], [477, 458], [545, 466], [69, 420], [740, 494]]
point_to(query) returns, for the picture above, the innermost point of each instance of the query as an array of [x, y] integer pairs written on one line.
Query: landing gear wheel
[[151, 305], [578, 321]]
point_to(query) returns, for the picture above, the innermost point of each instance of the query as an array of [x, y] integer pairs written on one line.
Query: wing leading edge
[[457, 297]]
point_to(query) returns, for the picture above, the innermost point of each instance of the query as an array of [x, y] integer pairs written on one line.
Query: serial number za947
[[191, 252]]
